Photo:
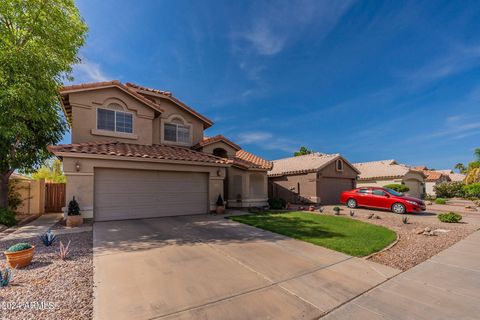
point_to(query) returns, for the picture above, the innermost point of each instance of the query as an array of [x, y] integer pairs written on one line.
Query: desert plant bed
[[413, 248], [64, 287], [342, 234]]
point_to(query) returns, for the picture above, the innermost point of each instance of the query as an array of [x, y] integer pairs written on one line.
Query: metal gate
[[54, 197]]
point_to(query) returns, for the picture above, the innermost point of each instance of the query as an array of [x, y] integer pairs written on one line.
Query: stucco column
[[80, 184], [215, 187]]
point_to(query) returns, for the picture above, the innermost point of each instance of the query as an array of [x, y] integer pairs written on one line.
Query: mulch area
[[412, 248], [52, 288]]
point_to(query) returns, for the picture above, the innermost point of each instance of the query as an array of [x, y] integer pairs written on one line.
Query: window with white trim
[[176, 133], [116, 121]]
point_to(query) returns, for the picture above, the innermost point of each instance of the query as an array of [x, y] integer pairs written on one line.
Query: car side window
[[363, 191], [378, 192]]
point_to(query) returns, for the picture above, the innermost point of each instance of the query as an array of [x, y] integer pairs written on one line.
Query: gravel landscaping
[[413, 248], [65, 288]]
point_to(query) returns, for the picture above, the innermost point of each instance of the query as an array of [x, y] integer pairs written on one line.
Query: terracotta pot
[[220, 210], [74, 221], [20, 259]]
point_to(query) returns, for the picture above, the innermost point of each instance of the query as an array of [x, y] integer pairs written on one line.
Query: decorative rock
[[441, 231], [418, 231], [320, 209], [429, 203], [311, 208], [427, 229]]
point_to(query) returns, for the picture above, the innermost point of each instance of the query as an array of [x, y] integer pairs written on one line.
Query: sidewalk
[[447, 286], [35, 228]]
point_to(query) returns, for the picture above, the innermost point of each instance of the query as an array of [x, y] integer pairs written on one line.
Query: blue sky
[[371, 80]]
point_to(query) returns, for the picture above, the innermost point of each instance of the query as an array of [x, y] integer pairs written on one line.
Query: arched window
[[339, 165], [220, 152], [176, 130]]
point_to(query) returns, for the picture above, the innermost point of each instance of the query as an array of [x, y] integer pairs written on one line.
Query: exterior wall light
[[77, 166]]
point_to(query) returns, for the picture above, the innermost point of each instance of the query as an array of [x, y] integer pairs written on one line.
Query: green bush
[[19, 247], [73, 208], [397, 187], [450, 217], [440, 201], [277, 203], [14, 197], [472, 190], [449, 189], [7, 217]]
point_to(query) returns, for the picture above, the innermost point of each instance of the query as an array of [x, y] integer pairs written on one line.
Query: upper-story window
[[113, 120], [175, 132]]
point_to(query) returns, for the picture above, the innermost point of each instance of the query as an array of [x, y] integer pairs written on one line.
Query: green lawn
[[343, 234]]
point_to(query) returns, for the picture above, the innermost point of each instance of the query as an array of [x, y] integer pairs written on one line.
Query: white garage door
[[132, 194]]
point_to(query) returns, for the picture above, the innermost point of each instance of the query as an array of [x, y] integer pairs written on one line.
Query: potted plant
[[74, 219], [20, 255], [220, 205]]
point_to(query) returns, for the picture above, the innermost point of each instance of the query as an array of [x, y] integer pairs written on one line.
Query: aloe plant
[[5, 277], [48, 238], [64, 250]]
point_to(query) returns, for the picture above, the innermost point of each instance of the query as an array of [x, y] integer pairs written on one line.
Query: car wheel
[[351, 203], [399, 208]]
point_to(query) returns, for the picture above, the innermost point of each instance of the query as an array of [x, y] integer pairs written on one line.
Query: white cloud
[[274, 25], [267, 141], [88, 71]]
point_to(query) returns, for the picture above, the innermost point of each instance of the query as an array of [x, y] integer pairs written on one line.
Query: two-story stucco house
[[138, 152]]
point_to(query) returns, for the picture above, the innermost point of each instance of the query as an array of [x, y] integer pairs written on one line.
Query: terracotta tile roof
[[457, 177], [382, 169], [248, 160], [301, 164], [170, 96], [434, 175], [114, 83], [158, 152], [209, 140]]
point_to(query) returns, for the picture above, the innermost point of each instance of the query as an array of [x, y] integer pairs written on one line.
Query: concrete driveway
[[207, 267]]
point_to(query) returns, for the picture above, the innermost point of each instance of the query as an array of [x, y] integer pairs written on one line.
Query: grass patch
[[342, 234]]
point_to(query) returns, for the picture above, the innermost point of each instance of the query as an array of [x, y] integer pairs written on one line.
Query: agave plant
[[405, 220], [64, 250], [352, 213], [5, 277], [48, 238]]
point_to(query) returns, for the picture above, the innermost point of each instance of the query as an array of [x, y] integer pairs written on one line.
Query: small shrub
[[472, 190], [352, 213], [48, 238], [14, 197], [19, 247], [450, 217], [64, 251], [397, 187], [405, 220], [277, 203], [430, 197], [220, 202], [440, 201], [449, 189], [5, 277], [337, 210], [7, 217], [73, 208]]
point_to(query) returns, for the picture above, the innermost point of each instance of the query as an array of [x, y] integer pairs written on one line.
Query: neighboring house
[[138, 152], [315, 178], [433, 178], [382, 173], [455, 177]]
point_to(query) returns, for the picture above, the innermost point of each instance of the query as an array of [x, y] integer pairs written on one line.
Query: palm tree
[[461, 167]]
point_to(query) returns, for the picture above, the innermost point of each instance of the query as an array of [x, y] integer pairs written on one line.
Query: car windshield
[[393, 192]]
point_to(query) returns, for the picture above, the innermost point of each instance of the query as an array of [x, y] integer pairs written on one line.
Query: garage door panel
[[133, 194]]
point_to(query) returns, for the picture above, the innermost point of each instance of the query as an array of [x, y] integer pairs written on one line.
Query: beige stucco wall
[[286, 187], [429, 185], [172, 110], [81, 184], [331, 183], [246, 188], [32, 193], [84, 116]]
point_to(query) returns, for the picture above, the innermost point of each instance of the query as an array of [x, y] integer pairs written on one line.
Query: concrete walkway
[[35, 228], [447, 286]]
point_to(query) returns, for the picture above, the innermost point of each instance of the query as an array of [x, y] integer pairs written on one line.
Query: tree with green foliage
[[476, 152], [302, 151], [39, 43], [51, 172], [461, 168]]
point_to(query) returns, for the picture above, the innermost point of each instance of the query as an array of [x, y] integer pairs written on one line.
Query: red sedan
[[382, 198]]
